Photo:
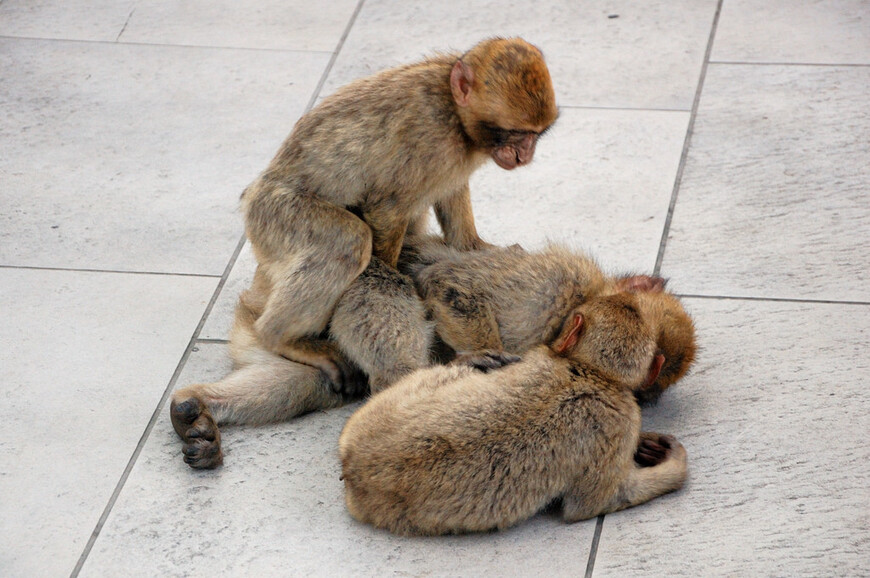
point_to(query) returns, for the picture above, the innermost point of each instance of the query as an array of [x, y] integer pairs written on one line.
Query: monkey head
[[504, 98], [675, 340], [676, 331], [613, 335]]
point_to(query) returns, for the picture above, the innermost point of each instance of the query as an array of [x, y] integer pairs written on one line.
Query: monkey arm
[[456, 218], [388, 233]]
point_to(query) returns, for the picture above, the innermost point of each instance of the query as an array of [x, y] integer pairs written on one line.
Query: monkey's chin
[[506, 159]]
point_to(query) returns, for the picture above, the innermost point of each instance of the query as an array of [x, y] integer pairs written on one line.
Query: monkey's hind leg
[[309, 262], [658, 467], [380, 323], [268, 389]]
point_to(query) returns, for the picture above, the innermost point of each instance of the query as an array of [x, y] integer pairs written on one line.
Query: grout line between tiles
[[772, 299], [157, 411], [126, 22], [85, 270], [829, 64], [623, 108], [161, 45], [687, 141], [334, 56], [193, 340], [593, 549]]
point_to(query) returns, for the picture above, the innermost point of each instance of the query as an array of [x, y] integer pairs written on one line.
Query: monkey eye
[[496, 136]]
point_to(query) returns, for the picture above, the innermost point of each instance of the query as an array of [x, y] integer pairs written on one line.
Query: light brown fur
[[503, 299], [362, 168], [454, 449], [508, 299]]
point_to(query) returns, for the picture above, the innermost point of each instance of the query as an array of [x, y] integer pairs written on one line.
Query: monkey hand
[[486, 361], [653, 449]]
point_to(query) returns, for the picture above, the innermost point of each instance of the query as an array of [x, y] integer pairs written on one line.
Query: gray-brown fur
[[512, 300], [379, 329], [364, 167], [452, 449]]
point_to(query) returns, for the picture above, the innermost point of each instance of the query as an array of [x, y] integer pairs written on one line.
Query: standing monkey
[[474, 446], [365, 166]]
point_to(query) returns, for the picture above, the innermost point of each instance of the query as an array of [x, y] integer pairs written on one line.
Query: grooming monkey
[[477, 300], [365, 166], [472, 447]]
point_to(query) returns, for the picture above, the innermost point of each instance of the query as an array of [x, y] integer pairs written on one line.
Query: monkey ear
[[642, 284], [570, 340], [654, 369], [461, 81]]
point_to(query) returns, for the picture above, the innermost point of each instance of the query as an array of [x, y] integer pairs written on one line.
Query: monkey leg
[[642, 482], [310, 251], [380, 324], [267, 390], [343, 376]]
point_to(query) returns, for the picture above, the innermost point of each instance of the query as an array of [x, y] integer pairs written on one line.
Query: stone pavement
[[725, 144]]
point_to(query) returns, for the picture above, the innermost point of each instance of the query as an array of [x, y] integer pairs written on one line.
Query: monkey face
[[505, 99], [509, 148]]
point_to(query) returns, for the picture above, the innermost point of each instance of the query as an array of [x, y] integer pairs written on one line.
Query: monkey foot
[[345, 378], [199, 432], [653, 449]]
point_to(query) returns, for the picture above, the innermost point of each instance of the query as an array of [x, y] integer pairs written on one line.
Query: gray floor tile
[[774, 418], [272, 24], [774, 199], [649, 56], [601, 181], [828, 32], [134, 157], [100, 20], [84, 359], [276, 508]]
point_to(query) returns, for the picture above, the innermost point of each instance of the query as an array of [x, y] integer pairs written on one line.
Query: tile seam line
[[772, 299], [126, 22], [191, 343], [334, 57], [593, 548], [156, 414], [772, 63], [163, 45], [623, 108], [115, 271], [687, 140]]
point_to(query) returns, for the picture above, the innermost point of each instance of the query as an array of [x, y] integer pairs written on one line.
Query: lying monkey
[[473, 446], [508, 299], [494, 298]]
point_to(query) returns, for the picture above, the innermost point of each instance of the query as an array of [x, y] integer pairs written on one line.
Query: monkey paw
[[344, 378], [199, 432], [486, 361], [653, 449]]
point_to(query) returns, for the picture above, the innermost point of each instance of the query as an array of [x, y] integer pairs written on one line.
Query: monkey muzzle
[[514, 155]]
